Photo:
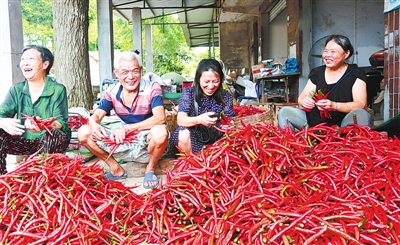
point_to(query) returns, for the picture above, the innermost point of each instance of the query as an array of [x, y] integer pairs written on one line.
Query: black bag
[[207, 135]]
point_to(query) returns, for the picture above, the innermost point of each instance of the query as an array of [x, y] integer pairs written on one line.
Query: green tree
[[123, 39], [92, 31], [71, 24], [170, 50], [37, 21]]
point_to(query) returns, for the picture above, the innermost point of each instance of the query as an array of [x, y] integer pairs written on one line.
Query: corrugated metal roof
[[199, 18]]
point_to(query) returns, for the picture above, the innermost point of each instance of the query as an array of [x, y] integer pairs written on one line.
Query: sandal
[[150, 177], [110, 176]]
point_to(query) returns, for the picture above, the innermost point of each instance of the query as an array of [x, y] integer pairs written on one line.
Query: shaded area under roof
[[198, 18]]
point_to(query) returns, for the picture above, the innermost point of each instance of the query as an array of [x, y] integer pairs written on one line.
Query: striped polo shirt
[[149, 96]]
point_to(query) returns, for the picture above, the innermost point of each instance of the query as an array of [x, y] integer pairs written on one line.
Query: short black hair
[[45, 54], [343, 42]]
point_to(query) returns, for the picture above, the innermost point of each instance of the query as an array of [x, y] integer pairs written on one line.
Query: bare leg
[[158, 140], [184, 143], [85, 137]]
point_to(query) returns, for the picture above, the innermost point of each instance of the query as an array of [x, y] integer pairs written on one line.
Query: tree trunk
[[71, 62]]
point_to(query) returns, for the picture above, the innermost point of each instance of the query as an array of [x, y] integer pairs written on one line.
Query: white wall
[[278, 38], [362, 21]]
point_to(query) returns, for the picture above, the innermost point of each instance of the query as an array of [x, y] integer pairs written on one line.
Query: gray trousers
[[296, 118]]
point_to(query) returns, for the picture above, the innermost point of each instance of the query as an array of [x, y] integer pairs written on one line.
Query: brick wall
[[235, 44], [392, 63]]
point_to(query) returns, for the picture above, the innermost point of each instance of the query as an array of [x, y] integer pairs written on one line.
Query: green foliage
[[92, 31], [198, 54], [123, 39], [170, 50], [37, 21]]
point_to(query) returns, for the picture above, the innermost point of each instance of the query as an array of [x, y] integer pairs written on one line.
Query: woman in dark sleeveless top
[[342, 88]]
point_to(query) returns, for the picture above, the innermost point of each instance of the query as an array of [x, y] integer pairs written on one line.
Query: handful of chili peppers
[[317, 96], [130, 137], [39, 123]]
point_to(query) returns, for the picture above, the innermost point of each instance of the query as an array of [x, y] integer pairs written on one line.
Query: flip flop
[[110, 176], [150, 177]]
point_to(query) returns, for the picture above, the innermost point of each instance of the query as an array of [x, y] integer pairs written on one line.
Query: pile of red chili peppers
[[257, 185], [244, 111], [76, 121], [52, 199], [263, 185]]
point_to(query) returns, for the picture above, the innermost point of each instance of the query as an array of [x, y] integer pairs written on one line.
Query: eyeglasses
[[135, 72]]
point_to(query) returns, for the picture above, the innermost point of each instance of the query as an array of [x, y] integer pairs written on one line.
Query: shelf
[[283, 78]]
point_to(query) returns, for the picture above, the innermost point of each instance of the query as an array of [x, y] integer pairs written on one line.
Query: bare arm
[[305, 98], [359, 92], [158, 117]]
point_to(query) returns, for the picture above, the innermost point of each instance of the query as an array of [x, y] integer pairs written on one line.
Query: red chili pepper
[[130, 136], [224, 119], [41, 124], [317, 96], [230, 192], [76, 121]]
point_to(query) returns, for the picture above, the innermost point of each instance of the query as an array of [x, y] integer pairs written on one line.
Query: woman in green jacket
[[38, 96]]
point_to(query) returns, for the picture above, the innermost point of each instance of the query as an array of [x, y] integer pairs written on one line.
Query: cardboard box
[[256, 69]]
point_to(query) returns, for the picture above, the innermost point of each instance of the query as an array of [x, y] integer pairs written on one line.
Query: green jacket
[[53, 102]]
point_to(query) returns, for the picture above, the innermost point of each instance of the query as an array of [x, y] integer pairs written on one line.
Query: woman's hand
[[228, 127], [206, 119], [57, 125], [308, 102], [31, 126], [324, 105], [12, 126]]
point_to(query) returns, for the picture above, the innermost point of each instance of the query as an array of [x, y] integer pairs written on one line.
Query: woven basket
[[265, 117], [171, 121]]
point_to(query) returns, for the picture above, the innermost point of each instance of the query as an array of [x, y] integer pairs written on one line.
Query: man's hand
[[118, 135], [12, 126], [98, 132]]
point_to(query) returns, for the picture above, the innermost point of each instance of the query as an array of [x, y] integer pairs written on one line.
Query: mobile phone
[[215, 115]]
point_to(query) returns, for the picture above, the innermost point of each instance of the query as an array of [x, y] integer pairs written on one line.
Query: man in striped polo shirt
[[139, 105]]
